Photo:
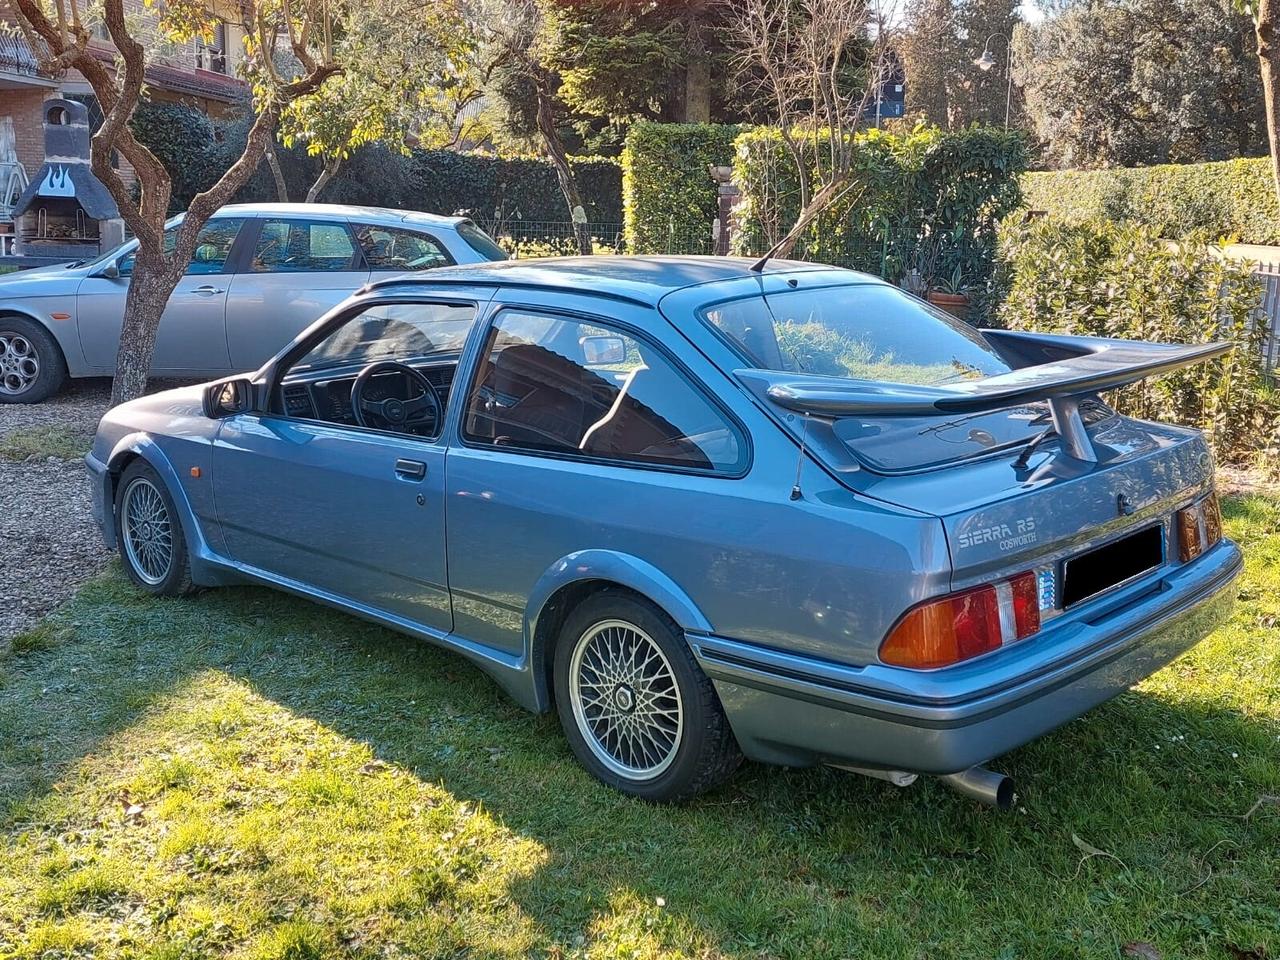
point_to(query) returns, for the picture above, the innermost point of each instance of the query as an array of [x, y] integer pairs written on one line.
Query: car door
[[355, 512], [192, 338], [295, 270]]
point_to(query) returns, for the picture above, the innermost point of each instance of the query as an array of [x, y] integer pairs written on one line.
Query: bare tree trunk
[[277, 174], [564, 173], [827, 194], [331, 166], [1268, 33], [150, 285]]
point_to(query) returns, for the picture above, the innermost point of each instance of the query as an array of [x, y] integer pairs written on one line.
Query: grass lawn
[[247, 775], [52, 440]]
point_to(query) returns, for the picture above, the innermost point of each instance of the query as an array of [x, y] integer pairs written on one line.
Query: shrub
[[1230, 199], [669, 200], [926, 200], [1123, 280]]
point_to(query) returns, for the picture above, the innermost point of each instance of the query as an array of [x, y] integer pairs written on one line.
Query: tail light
[[1199, 527], [962, 625]]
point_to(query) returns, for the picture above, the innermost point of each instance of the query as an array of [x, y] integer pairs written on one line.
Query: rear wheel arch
[[554, 599]]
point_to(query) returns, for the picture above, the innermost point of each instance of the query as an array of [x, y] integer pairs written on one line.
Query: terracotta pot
[[956, 304]]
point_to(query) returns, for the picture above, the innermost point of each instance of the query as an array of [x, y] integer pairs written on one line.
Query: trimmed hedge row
[[927, 201], [492, 189], [1124, 280], [668, 197], [1231, 198]]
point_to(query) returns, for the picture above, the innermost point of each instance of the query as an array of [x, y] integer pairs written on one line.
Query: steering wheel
[[422, 411]]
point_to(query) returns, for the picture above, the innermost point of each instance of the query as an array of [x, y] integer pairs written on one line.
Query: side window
[[390, 248], [298, 246], [588, 389], [213, 246]]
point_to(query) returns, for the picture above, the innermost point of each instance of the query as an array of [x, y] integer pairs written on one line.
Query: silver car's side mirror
[[111, 271]]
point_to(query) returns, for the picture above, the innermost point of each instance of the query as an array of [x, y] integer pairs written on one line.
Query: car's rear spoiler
[[1058, 369]]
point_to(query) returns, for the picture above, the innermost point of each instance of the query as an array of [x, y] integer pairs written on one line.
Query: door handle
[[411, 469], [208, 290]]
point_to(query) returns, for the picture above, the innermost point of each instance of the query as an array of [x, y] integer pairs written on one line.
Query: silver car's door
[[296, 269], [192, 339]]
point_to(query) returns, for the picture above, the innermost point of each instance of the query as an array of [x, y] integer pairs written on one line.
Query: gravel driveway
[[48, 542]]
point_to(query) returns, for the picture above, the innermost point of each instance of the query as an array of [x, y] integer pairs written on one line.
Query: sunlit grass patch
[[47, 440], [243, 774]]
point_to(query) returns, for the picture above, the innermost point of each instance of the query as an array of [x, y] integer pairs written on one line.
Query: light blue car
[[702, 509]]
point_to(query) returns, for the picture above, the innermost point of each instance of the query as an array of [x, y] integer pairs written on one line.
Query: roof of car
[[345, 211], [643, 278]]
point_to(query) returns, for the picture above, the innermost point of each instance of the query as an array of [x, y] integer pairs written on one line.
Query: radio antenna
[[796, 492]]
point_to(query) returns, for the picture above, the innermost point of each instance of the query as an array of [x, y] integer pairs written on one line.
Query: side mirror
[[226, 398], [111, 271], [598, 350]]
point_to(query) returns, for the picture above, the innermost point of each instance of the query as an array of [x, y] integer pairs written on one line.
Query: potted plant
[[951, 293]]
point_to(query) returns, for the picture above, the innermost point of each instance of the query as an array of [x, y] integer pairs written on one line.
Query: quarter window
[[296, 246], [389, 248], [588, 389]]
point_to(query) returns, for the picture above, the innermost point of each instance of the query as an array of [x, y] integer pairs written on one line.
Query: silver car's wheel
[[148, 531], [626, 700], [19, 363]]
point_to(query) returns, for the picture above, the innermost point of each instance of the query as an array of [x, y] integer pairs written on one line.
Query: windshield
[[866, 331], [480, 242]]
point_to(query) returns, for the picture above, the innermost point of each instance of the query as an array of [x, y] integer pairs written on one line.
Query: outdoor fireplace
[[66, 213]]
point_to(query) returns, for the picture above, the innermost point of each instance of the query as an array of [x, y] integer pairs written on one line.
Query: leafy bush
[[1124, 280], [668, 197], [927, 200], [1233, 198], [196, 151]]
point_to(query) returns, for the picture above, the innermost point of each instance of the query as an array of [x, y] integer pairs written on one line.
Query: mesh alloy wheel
[[147, 531], [626, 701]]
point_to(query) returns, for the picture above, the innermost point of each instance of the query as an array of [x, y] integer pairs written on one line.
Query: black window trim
[[693, 380], [281, 365]]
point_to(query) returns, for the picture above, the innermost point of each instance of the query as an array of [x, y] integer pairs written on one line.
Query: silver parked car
[[261, 273]]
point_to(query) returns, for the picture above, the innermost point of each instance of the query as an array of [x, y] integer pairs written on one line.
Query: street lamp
[[987, 61]]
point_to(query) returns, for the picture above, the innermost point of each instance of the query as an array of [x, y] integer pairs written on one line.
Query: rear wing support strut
[[1069, 425]]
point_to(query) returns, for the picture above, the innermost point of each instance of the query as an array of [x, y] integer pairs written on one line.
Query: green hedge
[[927, 201], [492, 189], [1125, 280], [1230, 199], [668, 197]]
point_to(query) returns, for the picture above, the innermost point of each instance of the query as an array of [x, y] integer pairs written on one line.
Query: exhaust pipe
[[985, 786]]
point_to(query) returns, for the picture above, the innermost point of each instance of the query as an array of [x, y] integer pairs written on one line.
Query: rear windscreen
[[873, 331]]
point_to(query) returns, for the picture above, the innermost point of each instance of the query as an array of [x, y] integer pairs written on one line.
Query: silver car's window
[[865, 331], [480, 242], [588, 389], [303, 246], [213, 246], [400, 331], [390, 248]]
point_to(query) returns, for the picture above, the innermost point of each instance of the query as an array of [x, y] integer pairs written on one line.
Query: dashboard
[[324, 396]]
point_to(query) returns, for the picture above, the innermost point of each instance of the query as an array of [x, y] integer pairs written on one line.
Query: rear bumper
[[785, 709]]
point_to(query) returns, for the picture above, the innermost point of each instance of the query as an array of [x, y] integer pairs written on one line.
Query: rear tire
[[32, 367], [149, 534], [636, 708]]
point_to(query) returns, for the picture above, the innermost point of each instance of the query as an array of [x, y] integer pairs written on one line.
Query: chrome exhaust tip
[[985, 786]]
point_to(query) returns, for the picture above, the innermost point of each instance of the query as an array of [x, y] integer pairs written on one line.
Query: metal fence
[[1268, 275]]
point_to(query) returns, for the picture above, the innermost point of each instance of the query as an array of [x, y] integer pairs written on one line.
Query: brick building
[[201, 75]]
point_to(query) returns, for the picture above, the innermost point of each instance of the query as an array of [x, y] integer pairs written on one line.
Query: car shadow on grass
[[279, 755]]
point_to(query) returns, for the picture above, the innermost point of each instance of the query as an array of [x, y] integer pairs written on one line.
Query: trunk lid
[[1000, 519]]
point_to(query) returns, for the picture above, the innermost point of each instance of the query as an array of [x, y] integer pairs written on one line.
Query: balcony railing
[[16, 56]]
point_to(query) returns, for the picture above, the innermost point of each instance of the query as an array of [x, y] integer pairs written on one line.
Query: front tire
[[637, 710], [149, 533], [32, 367]]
